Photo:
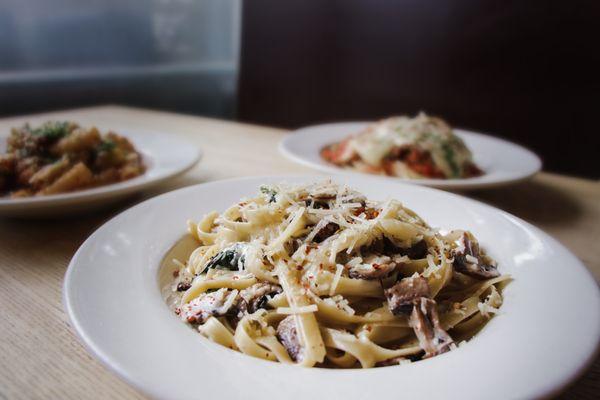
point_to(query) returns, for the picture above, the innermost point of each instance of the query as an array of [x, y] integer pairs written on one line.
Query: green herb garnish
[[227, 259], [269, 191], [52, 130], [107, 145], [449, 156]]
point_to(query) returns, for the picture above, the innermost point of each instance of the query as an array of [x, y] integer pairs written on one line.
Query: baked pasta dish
[[321, 276], [59, 157], [420, 147]]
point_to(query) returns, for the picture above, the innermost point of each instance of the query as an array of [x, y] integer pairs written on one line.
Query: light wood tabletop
[[40, 355]]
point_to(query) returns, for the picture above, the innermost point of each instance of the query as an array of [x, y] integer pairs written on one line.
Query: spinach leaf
[[227, 259]]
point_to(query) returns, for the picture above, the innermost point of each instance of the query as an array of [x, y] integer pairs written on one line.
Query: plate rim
[[94, 349], [448, 184]]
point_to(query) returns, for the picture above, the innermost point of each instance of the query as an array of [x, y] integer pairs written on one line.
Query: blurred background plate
[[503, 162], [165, 157]]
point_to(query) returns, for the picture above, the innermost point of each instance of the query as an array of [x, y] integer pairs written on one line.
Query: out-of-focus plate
[[503, 162], [546, 334], [165, 157]]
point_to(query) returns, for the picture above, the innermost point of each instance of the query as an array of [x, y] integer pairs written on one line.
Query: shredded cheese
[[336, 278], [298, 310]]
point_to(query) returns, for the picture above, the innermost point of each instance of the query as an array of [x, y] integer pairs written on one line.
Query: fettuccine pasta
[[320, 276]]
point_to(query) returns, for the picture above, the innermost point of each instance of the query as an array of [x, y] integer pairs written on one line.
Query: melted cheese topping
[[430, 134]]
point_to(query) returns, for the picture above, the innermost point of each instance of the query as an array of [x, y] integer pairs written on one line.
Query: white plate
[[503, 162], [165, 157], [546, 334]]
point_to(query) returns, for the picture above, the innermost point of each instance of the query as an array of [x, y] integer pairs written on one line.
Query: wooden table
[[40, 357]]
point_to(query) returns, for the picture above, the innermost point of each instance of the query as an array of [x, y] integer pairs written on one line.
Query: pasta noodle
[[320, 276]]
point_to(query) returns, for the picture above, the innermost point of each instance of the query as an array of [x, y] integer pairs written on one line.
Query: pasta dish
[[320, 276], [420, 147], [59, 157]]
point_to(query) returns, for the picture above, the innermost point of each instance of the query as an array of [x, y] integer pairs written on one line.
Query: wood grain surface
[[40, 355]]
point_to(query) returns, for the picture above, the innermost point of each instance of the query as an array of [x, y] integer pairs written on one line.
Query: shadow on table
[[586, 387], [532, 201]]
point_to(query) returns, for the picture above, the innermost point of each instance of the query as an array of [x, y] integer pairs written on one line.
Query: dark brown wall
[[524, 70]]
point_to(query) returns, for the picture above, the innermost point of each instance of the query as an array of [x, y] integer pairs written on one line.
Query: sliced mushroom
[[416, 251], [287, 333], [219, 303], [372, 267], [326, 232], [426, 324], [390, 362], [469, 260], [405, 294], [255, 297], [319, 200]]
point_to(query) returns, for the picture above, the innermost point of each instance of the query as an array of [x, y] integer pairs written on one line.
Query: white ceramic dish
[[165, 157], [545, 336], [503, 162]]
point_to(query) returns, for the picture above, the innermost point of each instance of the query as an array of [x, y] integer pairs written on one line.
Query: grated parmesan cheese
[[297, 310], [485, 309], [336, 278]]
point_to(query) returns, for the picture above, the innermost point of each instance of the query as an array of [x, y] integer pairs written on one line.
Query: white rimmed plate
[[502, 162], [165, 157], [546, 334]]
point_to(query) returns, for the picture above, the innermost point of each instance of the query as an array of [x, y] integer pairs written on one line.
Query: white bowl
[[502, 162], [165, 157], [545, 336]]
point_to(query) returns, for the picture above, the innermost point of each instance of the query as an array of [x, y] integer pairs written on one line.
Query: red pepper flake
[[175, 273], [310, 247], [371, 213], [191, 319], [358, 211]]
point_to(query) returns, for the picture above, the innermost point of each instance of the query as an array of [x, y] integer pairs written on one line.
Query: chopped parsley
[[269, 191], [107, 145], [52, 130], [449, 156]]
